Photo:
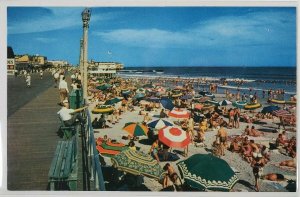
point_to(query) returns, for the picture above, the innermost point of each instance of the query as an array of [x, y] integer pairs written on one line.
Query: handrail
[[96, 170]]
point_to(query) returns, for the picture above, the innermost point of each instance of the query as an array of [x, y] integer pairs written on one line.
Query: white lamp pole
[[86, 15]]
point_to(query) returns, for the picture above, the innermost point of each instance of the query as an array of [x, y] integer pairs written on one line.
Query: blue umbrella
[[167, 103], [153, 99], [186, 97], [159, 124], [270, 109]]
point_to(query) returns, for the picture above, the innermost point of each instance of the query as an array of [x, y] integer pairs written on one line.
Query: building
[[30, 61], [104, 69], [11, 64], [58, 63]]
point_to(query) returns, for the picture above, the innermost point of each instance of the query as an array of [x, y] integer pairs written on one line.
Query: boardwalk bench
[[68, 131], [63, 169]]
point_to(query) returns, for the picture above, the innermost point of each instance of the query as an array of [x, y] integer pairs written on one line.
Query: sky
[[159, 36]]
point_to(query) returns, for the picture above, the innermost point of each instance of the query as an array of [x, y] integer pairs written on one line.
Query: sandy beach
[[242, 168]]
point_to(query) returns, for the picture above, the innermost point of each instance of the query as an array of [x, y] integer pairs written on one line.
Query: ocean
[[258, 78]]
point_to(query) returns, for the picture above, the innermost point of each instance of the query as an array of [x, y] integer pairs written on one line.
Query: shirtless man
[[171, 175], [222, 134], [255, 133], [147, 118]]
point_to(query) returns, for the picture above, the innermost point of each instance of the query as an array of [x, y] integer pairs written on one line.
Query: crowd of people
[[220, 119]]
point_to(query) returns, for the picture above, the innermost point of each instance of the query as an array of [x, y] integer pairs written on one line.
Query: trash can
[[76, 100], [72, 99]]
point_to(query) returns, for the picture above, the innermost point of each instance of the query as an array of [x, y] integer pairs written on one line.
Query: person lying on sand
[[288, 163], [255, 133], [274, 177]]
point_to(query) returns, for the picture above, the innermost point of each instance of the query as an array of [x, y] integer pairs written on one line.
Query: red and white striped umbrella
[[173, 137], [281, 113], [179, 113]]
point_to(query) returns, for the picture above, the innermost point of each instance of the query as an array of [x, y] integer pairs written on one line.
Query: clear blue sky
[[159, 36]]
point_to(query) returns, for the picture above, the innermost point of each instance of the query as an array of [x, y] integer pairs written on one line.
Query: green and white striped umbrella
[[207, 172], [138, 163]]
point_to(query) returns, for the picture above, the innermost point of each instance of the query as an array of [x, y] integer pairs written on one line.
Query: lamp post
[[86, 15], [80, 60]]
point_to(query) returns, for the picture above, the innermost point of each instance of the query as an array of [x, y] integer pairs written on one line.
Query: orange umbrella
[[135, 129]]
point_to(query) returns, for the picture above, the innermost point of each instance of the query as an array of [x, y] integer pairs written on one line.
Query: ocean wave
[[207, 78]]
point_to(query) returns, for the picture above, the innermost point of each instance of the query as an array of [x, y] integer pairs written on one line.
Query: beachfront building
[[58, 63], [32, 62], [10, 61], [104, 69]]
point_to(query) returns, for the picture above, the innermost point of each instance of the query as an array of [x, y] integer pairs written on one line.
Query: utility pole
[[86, 15]]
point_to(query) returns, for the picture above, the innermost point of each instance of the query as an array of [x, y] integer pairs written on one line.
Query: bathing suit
[[222, 139]]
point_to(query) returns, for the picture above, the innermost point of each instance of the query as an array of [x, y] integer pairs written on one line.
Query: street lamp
[[86, 15]]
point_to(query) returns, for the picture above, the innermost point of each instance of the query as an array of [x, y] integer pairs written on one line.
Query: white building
[[104, 69]]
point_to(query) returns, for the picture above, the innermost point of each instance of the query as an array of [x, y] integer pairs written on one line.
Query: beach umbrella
[[225, 102], [159, 124], [141, 90], [207, 172], [186, 97], [270, 109], [239, 104], [112, 101], [173, 137], [198, 106], [139, 96], [179, 113], [135, 129], [138, 163], [281, 112], [125, 92], [110, 149], [104, 86], [167, 103], [153, 99]]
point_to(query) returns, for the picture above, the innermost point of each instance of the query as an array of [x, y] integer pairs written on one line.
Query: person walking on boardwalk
[[63, 90], [41, 73], [56, 76], [28, 80]]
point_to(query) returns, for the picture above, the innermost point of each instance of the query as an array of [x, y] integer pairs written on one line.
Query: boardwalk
[[32, 133]]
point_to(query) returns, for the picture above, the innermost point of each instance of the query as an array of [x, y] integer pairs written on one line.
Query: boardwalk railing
[[95, 175]]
